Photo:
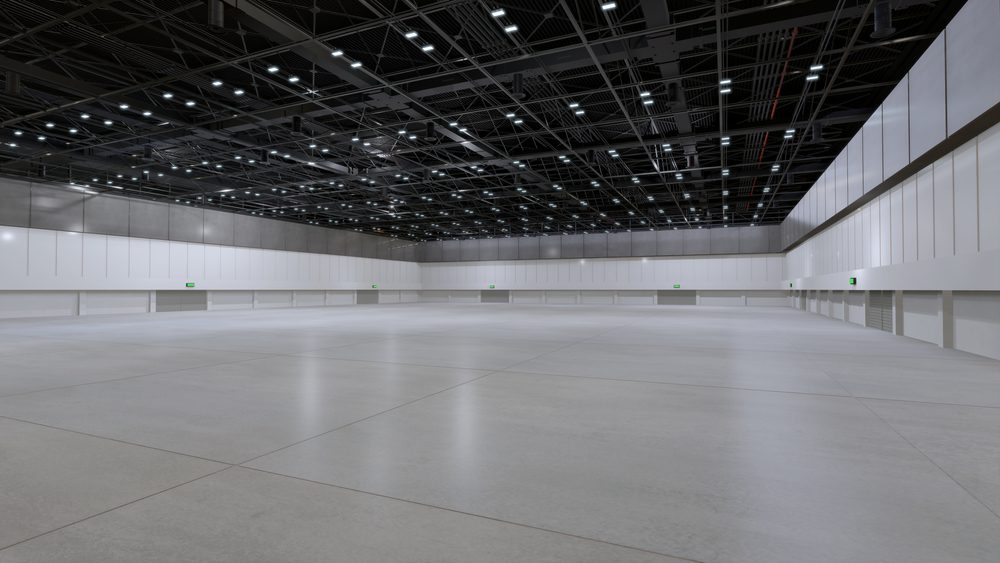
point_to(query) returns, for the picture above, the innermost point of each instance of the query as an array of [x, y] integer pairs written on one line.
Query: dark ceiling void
[[426, 119]]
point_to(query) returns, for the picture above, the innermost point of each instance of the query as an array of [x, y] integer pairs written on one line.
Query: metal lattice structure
[[451, 118]]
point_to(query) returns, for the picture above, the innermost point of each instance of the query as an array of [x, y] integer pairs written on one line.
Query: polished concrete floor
[[493, 433]]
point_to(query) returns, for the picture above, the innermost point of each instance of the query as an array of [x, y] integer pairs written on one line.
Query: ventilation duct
[[216, 14], [296, 124], [13, 84], [817, 132], [517, 86], [883, 20], [672, 92]]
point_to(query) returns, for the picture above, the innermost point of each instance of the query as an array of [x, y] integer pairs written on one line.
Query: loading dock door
[[879, 312]]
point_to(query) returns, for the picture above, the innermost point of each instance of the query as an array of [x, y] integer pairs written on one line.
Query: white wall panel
[[907, 235], [927, 100], [42, 259], [966, 199], [138, 258], [977, 323], [272, 299], [159, 260], [855, 168], [924, 224], [896, 130], [230, 300], [42, 255], [69, 256], [19, 304], [909, 203], [872, 134], [989, 188], [973, 67], [710, 272], [840, 175], [944, 208], [95, 257], [115, 302], [920, 316], [314, 298]]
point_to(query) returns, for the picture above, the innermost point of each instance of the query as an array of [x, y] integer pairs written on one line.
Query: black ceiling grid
[[446, 119]]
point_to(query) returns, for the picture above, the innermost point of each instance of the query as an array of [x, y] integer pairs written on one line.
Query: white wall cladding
[[937, 230], [39, 259], [59, 207], [955, 81], [687, 242], [703, 272]]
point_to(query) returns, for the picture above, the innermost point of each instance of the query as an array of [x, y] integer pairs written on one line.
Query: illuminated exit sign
[[374, 286], [493, 286], [189, 284], [677, 286], [852, 281]]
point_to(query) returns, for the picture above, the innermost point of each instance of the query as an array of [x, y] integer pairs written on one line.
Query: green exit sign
[[374, 286], [493, 286], [189, 284], [677, 286], [852, 281]]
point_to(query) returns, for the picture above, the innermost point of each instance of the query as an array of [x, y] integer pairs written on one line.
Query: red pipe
[[774, 104]]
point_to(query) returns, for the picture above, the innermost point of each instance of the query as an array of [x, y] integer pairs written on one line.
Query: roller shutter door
[[879, 312]]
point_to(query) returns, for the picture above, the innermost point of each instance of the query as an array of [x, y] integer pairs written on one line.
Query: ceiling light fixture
[[498, 13], [608, 6], [510, 28]]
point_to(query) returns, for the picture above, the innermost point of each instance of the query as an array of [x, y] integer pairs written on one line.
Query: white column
[[947, 313]]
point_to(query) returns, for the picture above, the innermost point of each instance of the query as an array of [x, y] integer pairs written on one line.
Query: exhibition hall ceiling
[[446, 119]]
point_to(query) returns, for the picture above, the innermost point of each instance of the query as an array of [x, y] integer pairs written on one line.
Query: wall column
[[946, 311]]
